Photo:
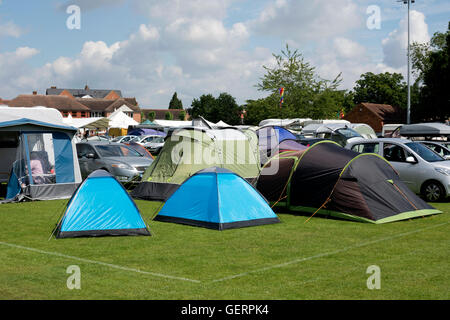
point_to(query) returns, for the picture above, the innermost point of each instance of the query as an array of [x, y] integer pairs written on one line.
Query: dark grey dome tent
[[330, 180]]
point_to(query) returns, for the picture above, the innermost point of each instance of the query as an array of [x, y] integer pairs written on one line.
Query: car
[[340, 133], [142, 140], [155, 145], [124, 139], [424, 171], [123, 162], [438, 148], [309, 141]]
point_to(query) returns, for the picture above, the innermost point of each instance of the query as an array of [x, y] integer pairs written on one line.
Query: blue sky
[[151, 48]]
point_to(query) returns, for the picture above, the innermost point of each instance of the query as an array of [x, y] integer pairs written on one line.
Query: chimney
[[34, 93]]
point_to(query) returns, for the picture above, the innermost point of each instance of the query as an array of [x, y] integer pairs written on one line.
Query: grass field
[[322, 259]]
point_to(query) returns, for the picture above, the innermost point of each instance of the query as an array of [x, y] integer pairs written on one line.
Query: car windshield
[[116, 139], [157, 140], [424, 152], [117, 151], [349, 133]]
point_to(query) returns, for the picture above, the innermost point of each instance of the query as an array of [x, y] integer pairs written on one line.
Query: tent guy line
[[97, 262], [320, 255]]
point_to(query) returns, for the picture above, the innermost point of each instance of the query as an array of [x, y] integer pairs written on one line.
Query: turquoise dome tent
[[101, 207], [217, 198]]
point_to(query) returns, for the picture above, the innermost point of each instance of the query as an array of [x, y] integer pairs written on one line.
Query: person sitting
[[37, 170]]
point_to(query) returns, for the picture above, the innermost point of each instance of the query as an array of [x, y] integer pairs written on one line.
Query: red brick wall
[[360, 114], [112, 95]]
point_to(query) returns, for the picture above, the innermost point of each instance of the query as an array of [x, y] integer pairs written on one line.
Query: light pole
[[408, 110]]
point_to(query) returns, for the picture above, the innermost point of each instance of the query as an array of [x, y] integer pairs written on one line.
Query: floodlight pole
[[408, 112]]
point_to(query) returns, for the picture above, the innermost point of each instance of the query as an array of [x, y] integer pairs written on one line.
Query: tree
[[168, 115], [431, 65], [306, 94], [182, 115], [224, 108], [151, 115], [175, 103], [382, 88]]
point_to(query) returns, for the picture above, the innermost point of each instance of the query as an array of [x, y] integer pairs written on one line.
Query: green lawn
[[322, 259]]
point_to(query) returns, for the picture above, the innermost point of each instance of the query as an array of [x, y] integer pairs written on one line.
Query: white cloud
[[9, 29], [395, 45], [308, 20]]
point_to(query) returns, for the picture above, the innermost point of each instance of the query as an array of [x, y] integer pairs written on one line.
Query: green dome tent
[[330, 180], [189, 150]]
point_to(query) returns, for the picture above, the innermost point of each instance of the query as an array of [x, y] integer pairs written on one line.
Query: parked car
[[438, 148], [338, 132], [124, 139], [125, 163], [155, 145], [142, 140], [309, 141], [424, 171]]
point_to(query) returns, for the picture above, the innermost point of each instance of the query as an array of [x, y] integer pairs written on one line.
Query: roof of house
[[384, 112], [79, 93], [107, 105], [61, 103]]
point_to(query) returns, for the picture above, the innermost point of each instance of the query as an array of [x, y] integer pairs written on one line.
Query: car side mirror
[[90, 156], [411, 160], [447, 157]]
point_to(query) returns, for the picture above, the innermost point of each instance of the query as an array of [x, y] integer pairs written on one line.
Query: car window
[[84, 149], [366, 147], [117, 151], [424, 152], [393, 152], [438, 149]]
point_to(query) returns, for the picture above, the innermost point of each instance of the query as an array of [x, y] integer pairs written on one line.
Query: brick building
[[376, 115], [80, 103]]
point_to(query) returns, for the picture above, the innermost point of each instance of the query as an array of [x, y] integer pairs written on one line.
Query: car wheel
[[433, 191]]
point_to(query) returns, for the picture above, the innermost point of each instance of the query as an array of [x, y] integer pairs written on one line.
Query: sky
[[150, 49]]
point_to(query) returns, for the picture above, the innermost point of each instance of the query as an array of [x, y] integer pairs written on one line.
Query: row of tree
[[307, 95]]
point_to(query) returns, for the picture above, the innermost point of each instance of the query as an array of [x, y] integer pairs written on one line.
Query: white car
[[424, 171], [155, 145], [142, 140], [124, 139]]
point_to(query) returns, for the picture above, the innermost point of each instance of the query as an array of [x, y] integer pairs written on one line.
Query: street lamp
[[408, 110]]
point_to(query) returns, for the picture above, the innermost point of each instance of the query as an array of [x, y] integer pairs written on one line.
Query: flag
[[281, 96]]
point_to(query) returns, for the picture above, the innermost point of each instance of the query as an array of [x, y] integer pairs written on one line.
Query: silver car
[[424, 171], [125, 163]]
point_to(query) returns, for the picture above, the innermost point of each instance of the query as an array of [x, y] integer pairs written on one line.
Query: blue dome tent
[[217, 198], [101, 207]]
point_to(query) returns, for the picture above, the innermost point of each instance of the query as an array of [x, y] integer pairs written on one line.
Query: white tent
[[173, 123], [118, 119], [98, 123]]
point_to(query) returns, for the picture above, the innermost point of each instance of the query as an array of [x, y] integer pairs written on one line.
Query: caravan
[[39, 160]]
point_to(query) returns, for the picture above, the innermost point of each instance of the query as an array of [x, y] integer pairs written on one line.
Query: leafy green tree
[[175, 103], [168, 115], [431, 65], [151, 115], [306, 94], [383, 88], [182, 115], [224, 108]]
